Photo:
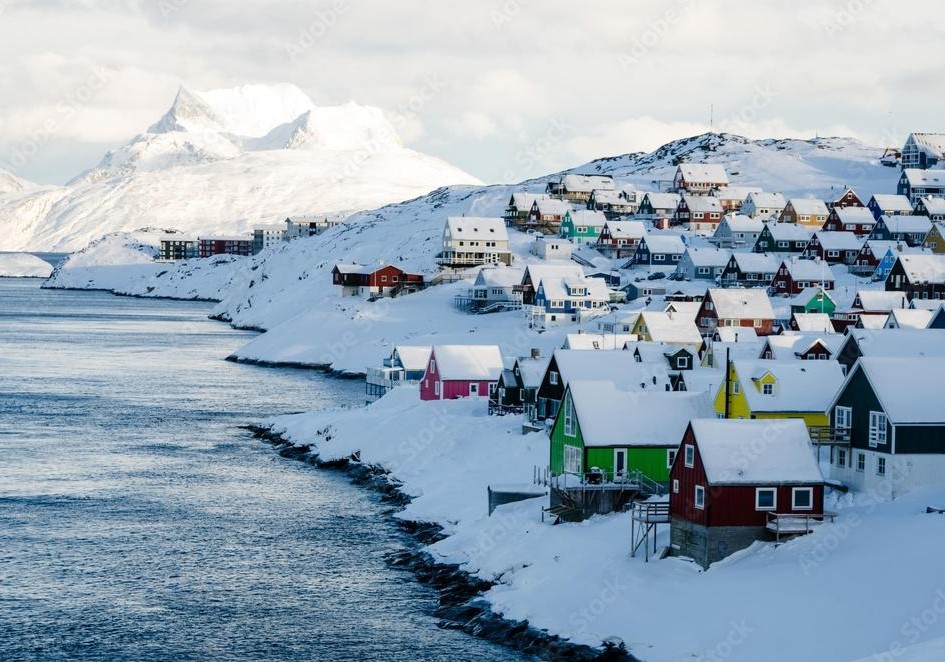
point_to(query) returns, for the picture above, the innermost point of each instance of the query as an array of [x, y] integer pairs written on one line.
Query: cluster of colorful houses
[[790, 348]]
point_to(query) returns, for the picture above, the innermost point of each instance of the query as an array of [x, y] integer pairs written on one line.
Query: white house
[[495, 289], [699, 178], [702, 263], [737, 230], [764, 205], [265, 236], [568, 300], [470, 241], [553, 249]]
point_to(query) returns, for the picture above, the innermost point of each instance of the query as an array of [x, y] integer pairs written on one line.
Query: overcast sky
[[505, 89]]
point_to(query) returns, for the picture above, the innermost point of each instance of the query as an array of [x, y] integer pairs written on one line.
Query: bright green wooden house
[[582, 226], [600, 425], [813, 300]]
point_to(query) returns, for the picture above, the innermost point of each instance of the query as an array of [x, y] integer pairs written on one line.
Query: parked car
[[656, 275]]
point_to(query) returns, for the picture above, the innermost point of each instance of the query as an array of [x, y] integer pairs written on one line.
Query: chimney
[[536, 353]]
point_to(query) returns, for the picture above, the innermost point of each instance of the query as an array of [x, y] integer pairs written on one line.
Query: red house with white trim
[[733, 481], [386, 280], [461, 371]]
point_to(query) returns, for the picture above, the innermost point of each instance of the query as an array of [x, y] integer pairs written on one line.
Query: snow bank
[[23, 265], [866, 584]]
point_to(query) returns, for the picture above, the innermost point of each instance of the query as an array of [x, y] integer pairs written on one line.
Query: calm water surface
[[137, 521]]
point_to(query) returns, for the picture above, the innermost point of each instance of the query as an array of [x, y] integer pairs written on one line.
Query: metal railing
[[796, 523], [606, 480], [826, 435]]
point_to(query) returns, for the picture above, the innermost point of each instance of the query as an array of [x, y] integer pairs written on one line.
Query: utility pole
[[728, 381]]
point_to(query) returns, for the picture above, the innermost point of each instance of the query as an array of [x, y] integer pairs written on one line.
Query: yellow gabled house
[[779, 389]]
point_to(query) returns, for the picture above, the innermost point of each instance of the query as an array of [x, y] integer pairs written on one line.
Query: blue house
[[659, 250], [567, 300], [889, 205]]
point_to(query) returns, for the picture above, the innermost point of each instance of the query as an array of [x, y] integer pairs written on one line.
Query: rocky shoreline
[[461, 605]]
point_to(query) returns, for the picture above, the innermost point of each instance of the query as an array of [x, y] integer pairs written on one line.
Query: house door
[[473, 389], [620, 463]]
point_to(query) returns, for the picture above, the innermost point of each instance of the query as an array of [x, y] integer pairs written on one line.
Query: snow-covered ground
[[23, 265], [868, 586], [221, 162]]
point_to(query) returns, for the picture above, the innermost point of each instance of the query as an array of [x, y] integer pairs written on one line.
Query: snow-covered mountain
[[11, 184], [225, 160]]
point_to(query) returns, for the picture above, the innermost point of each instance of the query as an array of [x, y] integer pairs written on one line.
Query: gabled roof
[[477, 227], [524, 201], [908, 224], [857, 215], [351, 268], [413, 357], [908, 388], [662, 327], [598, 341], [659, 418], [468, 362], [924, 178], [839, 241], [556, 288], [620, 368], [738, 193], [789, 232], [703, 203], [741, 223], [587, 183], [900, 344], [910, 318], [748, 303], [626, 229], [703, 173], [664, 243], [663, 200], [881, 300], [594, 219], [805, 296], [790, 345], [499, 277], [708, 256], [933, 142], [737, 334], [746, 452], [811, 270], [537, 272], [683, 309], [923, 268], [801, 386], [934, 206], [761, 263], [532, 370], [814, 323], [553, 207], [809, 206], [889, 202], [766, 200]]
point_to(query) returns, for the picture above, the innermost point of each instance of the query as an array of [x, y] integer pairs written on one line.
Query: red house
[[388, 280], [461, 371], [858, 220], [209, 246], [737, 481], [739, 307], [848, 198], [794, 276]]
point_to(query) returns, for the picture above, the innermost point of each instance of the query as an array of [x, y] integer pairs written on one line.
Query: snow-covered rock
[[23, 265], [225, 160]]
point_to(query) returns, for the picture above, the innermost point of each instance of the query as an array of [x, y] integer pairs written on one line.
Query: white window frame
[[682, 362], [842, 417], [569, 418], [572, 459], [774, 500], [794, 493], [861, 462], [436, 388], [553, 378], [842, 457], [880, 466], [699, 497], [877, 433], [689, 456], [675, 486], [671, 457], [473, 389]]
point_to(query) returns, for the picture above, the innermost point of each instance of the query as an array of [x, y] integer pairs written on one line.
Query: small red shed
[[732, 479], [461, 371]]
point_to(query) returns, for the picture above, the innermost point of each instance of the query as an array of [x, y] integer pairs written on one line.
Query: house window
[[757, 324], [690, 457], [767, 389], [553, 378], [736, 388], [436, 388], [802, 498], [877, 428], [670, 457], [861, 461], [569, 427], [572, 459], [700, 497], [880, 466], [675, 486], [383, 279], [842, 417], [659, 257], [682, 362], [841, 457], [766, 498]]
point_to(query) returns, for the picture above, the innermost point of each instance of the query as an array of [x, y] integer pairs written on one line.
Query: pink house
[[461, 371]]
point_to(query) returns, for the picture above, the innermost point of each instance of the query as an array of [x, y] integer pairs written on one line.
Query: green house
[[601, 425], [582, 226], [813, 300]]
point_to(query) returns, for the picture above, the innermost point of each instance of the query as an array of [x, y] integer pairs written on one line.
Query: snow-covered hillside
[[23, 265], [223, 161]]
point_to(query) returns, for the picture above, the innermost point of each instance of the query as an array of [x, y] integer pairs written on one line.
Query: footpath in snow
[[869, 586]]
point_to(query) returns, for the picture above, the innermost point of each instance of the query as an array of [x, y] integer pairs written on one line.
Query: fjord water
[[138, 521]]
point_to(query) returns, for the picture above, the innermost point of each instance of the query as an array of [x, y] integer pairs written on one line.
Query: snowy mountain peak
[[348, 127], [189, 112]]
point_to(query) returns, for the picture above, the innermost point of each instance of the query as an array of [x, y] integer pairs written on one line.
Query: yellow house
[[934, 239], [667, 327], [780, 389]]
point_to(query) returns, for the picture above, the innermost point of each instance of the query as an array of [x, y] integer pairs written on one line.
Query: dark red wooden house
[[461, 371], [387, 280], [734, 481]]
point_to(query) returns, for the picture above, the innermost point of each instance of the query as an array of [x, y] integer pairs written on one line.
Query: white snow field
[[23, 265]]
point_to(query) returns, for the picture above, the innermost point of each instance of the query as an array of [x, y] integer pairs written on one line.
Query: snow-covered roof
[[933, 142], [924, 268], [702, 256], [532, 370], [524, 201], [664, 243], [626, 229], [809, 206], [800, 386], [839, 241], [804, 297], [909, 318], [659, 418], [907, 387], [813, 323], [857, 215], [618, 367], [468, 362], [683, 309], [901, 343], [738, 193], [742, 223], [556, 288], [598, 341], [789, 345], [925, 178], [538, 272], [811, 270], [663, 200], [663, 327], [761, 263], [587, 183], [413, 357], [890, 202], [756, 452], [872, 321], [612, 196], [736, 334], [351, 268], [553, 207], [499, 277], [703, 173], [703, 203], [747, 303], [766, 200], [908, 224], [934, 206], [789, 232], [477, 227], [881, 300], [593, 219]]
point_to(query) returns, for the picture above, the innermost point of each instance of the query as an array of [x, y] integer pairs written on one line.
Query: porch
[[795, 524], [575, 497]]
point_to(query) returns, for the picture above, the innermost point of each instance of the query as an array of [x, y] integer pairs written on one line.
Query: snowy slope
[[223, 161], [23, 265], [10, 184]]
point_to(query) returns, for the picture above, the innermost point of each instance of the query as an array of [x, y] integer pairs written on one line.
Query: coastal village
[[730, 357]]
